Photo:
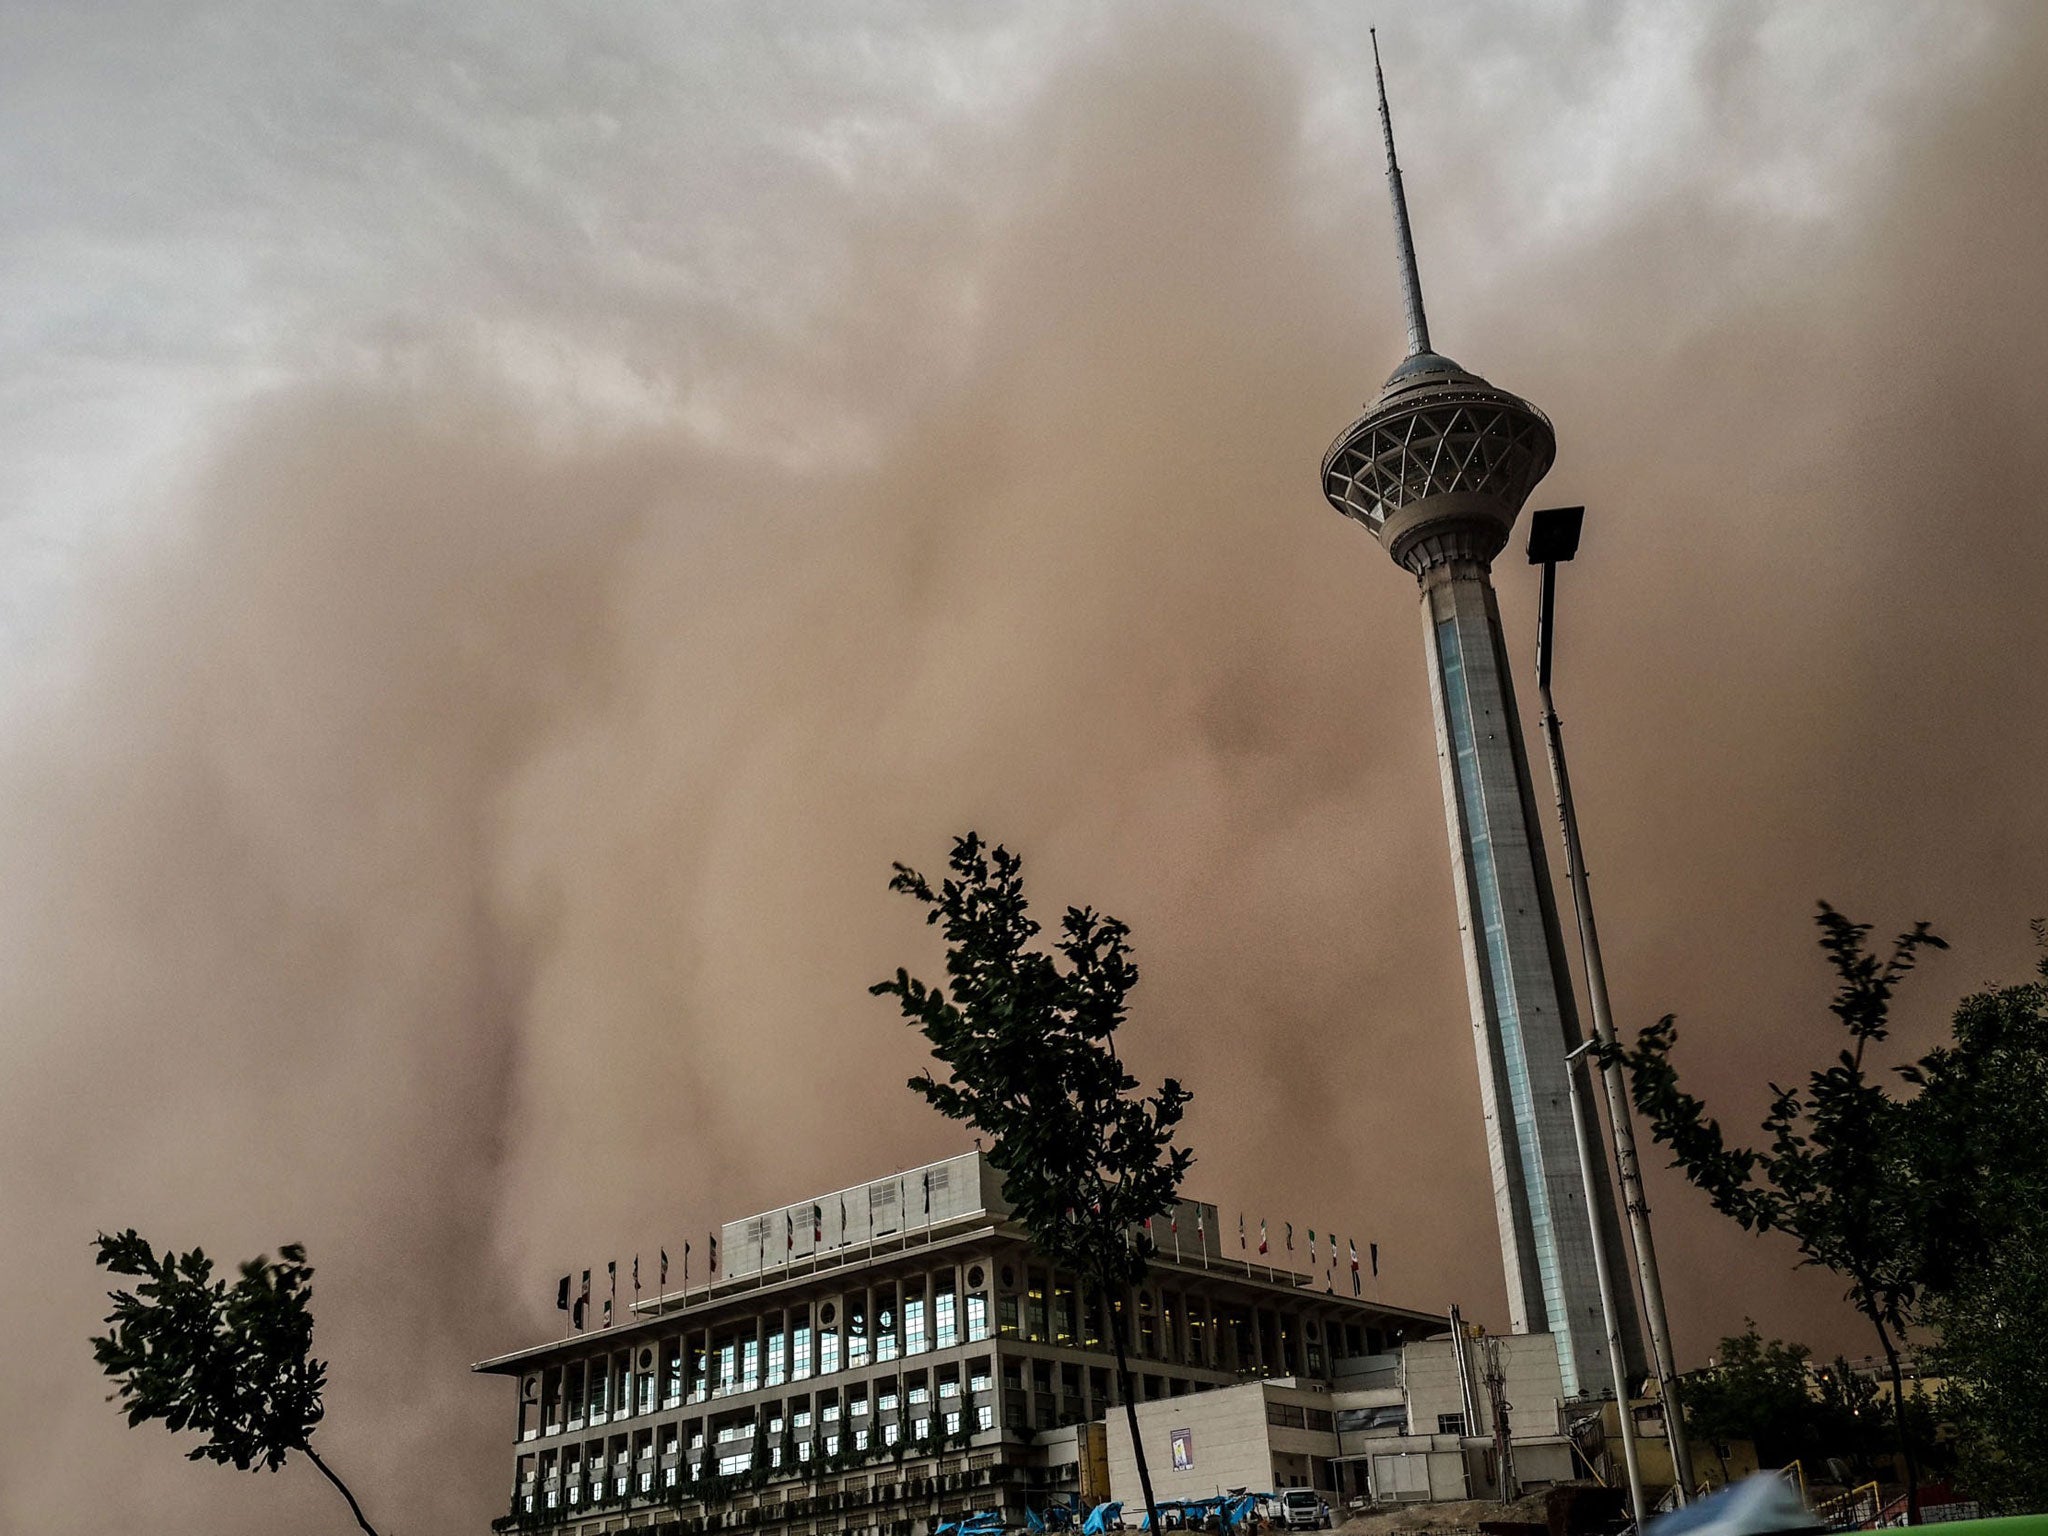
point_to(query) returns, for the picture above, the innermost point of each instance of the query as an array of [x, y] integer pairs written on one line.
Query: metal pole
[[1604, 1274], [1618, 1116]]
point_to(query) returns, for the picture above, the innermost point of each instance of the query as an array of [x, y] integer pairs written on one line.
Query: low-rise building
[[1413, 1424]]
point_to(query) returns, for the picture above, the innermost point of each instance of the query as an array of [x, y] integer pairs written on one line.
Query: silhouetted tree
[[1837, 1175], [230, 1362], [1029, 1042], [1980, 1138], [1769, 1392], [1759, 1390]]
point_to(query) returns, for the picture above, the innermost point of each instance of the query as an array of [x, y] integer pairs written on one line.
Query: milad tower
[[1438, 468]]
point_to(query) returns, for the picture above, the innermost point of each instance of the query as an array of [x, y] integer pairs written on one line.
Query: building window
[[800, 1353], [775, 1376], [750, 1364], [945, 1322], [953, 1423], [891, 1433], [672, 1373], [885, 1400], [985, 1416], [856, 1332], [885, 1332], [913, 1326], [860, 1439], [977, 1317], [728, 1466], [831, 1445], [700, 1369], [920, 1429], [828, 1351], [1450, 1424], [1006, 1316]]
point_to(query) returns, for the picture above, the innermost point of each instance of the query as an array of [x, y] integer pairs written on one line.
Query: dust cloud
[[446, 813]]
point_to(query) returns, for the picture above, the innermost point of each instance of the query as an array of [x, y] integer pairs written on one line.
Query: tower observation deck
[[1438, 468]]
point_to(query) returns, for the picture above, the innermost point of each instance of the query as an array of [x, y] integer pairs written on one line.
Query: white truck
[[1302, 1509]]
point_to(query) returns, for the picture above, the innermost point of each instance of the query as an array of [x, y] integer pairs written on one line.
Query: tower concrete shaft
[[1438, 468]]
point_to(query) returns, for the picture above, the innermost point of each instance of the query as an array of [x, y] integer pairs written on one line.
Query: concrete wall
[[1535, 1388], [1228, 1433]]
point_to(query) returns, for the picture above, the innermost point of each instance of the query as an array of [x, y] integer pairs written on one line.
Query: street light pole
[[1603, 1273], [1553, 539]]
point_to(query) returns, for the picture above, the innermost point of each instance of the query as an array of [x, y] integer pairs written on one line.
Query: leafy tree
[[230, 1362], [1854, 1422], [1759, 1390], [1994, 1341], [1980, 1137], [1836, 1174], [1029, 1042]]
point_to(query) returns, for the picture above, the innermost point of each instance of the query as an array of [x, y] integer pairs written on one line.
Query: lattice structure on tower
[[1458, 438]]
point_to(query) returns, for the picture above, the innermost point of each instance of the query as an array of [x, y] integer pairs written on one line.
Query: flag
[[1201, 1225], [1148, 1226], [817, 1223], [664, 1269], [1173, 1220], [1374, 1250], [788, 1233], [612, 1269], [1311, 1247], [842, 1219], [1240, 1232], [1354, 1266], [714, 1253], [927, 1192], [1290, 1237], [636, 1274], [607, 1313], [1262, 1234], [562, 1295], [582, 1306]]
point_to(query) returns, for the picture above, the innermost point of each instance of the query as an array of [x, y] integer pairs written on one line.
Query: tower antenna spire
[[1411, 278]]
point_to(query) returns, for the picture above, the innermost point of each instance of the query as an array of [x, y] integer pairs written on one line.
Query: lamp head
[[1554, 534]]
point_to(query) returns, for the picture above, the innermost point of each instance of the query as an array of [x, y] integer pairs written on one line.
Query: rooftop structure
[[1438, 468]]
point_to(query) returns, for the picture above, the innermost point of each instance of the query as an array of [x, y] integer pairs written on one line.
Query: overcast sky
[[511, 519]]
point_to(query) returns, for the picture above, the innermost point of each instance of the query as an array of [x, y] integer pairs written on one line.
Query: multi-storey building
[[896, 1351]]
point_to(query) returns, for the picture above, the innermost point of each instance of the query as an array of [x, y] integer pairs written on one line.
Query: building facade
[[909, 1359]]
